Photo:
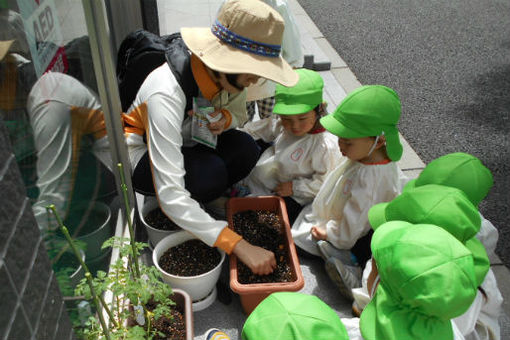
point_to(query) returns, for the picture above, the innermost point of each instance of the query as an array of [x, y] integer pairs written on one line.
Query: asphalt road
[[450, 63]]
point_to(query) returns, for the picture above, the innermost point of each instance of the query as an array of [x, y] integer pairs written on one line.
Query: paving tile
[[330, 53], [410, 160], [346, 78], [305, 24], [333, 92], [296, 8], [411, 174]]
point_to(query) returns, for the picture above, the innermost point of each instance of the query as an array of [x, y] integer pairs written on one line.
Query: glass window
[[50, 107]]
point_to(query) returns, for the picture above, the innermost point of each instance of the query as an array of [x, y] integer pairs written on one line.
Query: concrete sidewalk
[[339, 80]]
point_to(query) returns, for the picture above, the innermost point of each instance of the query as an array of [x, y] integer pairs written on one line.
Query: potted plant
[[198, 278], [141, 305], [157, 224], [90, 223], [273, 207]]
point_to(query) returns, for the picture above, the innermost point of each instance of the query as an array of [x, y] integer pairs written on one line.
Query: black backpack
[[141, 52]]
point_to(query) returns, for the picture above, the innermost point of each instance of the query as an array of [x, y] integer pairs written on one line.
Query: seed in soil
[[190, 258], [156, 218], [263, 228]]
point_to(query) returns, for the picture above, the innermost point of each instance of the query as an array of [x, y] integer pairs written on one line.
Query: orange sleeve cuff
[[228, 117], [227, 240]]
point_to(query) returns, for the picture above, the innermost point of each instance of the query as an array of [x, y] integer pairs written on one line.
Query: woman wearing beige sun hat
[[243, 45]]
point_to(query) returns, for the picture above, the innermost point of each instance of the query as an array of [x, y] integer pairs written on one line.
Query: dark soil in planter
[[173, 327], [157, 219], [190, 258], [263, 228]]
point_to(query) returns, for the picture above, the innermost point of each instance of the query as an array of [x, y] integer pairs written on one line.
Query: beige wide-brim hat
[[246, 38], [4, 48]]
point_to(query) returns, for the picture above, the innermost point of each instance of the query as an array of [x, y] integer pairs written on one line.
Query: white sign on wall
[[42, 27]]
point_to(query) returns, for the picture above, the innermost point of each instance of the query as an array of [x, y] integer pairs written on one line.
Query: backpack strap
[[178, 58]]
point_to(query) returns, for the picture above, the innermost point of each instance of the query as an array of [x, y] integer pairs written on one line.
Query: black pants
[[293, 209], [362, 250], [209, 172]]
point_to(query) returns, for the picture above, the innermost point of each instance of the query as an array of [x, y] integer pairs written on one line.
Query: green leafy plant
[[132, 284]]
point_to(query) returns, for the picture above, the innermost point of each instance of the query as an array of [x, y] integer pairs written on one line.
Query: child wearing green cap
[[336, 223], [302, 153], [467, 173], [450, 209], [290, 316], [423, 278]]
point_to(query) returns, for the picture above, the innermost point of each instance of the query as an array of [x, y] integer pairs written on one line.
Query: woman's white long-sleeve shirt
[[158, 110], [342, 204], [304, 160]]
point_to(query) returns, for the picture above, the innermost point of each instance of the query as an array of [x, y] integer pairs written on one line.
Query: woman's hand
[[259, 260], [217, 127], [319, 233], [284, 189]]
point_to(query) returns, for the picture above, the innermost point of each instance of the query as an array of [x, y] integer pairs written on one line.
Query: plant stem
[[64, 231], [82, 263], [106, 331], [128, 217]]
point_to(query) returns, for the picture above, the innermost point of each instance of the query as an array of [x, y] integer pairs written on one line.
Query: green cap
[[368, 111], [480, 258], [459, 170], [446, 207], [443, 206], [293, 316], [426, 279], [301, 98]]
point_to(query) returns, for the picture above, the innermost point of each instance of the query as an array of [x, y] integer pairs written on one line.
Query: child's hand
[[319, 233], [218, 126], [284, 189]]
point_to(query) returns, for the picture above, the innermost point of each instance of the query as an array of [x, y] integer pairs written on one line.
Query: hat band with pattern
[[242, 43]]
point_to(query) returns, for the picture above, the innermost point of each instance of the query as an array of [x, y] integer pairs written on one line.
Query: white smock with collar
[[342, 204], [304, 160]]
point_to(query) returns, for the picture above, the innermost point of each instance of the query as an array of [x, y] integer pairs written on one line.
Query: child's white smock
[[304, 160], [342, 204], [481, 320], [354, 332]]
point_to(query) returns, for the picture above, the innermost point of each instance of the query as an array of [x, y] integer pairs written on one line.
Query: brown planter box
[[252, 294], [182, 299]]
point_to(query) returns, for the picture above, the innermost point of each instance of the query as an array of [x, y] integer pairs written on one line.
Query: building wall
[[32, 306]]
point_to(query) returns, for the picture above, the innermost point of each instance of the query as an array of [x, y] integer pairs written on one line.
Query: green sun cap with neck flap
[[426, 279], [446, 207], [459, 170], [368, 111]]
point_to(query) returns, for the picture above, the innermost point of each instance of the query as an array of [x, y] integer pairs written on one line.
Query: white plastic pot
[[199, 286], [155, 235]]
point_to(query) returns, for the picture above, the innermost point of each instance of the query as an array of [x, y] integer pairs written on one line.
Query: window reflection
[[52, 114]]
